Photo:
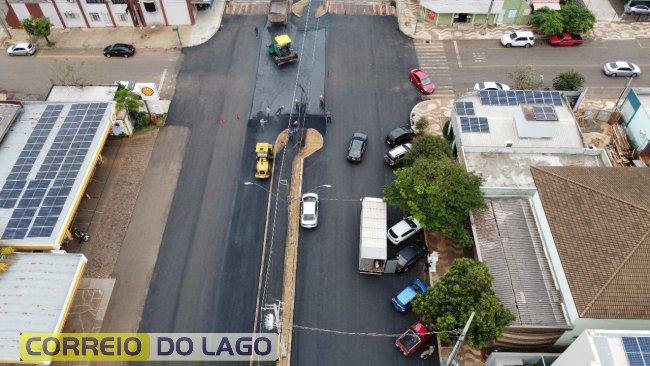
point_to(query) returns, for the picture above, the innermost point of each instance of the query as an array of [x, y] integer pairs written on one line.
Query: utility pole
[[451, 360], [627, 86], [273, 319], [487, 17]]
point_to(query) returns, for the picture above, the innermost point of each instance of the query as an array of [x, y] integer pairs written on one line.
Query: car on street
[[518, 39], [408, 256], [414, 337], [357, 147], [421, 80], [21, 49], [490, 85], [119, 50], [402, 301], [621, 68], [309, 210], [565, 39], [403, 230], [400, 135], [637, 9], [395, 156]]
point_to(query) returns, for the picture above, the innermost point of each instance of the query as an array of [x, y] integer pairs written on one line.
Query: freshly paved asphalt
[[366, 92], [207, 271]]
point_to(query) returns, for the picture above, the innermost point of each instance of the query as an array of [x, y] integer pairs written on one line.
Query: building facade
[[102, 13], [452, 12], [635, 116]]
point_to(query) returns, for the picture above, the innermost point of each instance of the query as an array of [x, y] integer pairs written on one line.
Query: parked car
[[637, 9], [21, 49], [395, 156], [565, 39], [403, 230], [413, 338], [357, 147], [490, 85], [408, 256], [400, 135], [119, 50], [402, 301], [518, 39], [309, 210], [421, 80], [621, 68]]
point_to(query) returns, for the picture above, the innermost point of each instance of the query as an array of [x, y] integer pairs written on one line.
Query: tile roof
[[600, 221]]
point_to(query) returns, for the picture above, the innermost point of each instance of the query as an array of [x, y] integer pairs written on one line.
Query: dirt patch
[[436, 111]]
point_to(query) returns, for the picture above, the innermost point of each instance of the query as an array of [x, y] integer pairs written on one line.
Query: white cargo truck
[[372, 241]]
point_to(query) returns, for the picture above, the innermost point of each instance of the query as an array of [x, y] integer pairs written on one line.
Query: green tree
[[524, 78], [577, 18], [37, 27], [570, 80], [421, 125], [427, 146], [439, 193], [126, 99], [5, 252], [466, 288], [548, 21]]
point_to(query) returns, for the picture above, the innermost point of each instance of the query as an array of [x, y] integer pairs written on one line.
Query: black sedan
[[408, 256], [357, 147], [119, 50]]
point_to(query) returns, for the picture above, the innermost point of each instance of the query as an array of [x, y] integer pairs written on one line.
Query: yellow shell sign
[[147, 91]]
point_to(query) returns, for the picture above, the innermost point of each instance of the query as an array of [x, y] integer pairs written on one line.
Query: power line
[[365, 334]]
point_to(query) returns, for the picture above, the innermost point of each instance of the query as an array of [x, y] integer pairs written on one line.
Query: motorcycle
[[80, 234]]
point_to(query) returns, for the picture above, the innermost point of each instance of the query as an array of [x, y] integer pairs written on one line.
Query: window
[[94, 16], [122, 17], [118, 1], [70, 15], [150, 6], [95, 1]]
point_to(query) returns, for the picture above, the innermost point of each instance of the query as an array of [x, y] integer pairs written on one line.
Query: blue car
[[402, 301]]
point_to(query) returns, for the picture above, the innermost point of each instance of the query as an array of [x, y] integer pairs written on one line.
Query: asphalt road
[[207, 271], [366, 92], [31, 77], [487, 60]]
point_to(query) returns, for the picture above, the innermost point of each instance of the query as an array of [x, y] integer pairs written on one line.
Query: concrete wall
[[636, 121], [72, 9], [579, 353], [582, 324], [177, 12], [154, 17], [117, 10], [21, 11], [514, 12], [50, 12], [103, 18], [519, 358]]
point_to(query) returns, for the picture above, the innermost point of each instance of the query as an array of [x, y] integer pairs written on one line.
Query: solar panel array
[[464, 108], [544, 113], [517, 97], [637, 350], [38, 202], [474, 124]]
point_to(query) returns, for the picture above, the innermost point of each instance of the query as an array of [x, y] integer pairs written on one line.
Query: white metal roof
[[91, 93], [373, 228], [35, 294], [46, 160]]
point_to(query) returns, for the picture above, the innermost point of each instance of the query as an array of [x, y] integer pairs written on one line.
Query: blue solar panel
[[474, 124], [464, 108], [516, 97]]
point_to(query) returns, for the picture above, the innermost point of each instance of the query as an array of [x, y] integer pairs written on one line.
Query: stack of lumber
[[621, 151]]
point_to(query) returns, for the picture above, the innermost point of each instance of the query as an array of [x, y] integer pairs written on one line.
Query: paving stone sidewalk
[[408, 10]]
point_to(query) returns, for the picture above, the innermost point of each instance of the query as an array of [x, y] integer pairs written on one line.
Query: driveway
[[367, 91]]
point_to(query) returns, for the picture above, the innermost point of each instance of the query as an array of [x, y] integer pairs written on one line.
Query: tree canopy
[[439, 193], [466, 288], [37, 27], [548, 21], [524, 78], [126, 99], [572, 18], [428, 146], [570, 80]]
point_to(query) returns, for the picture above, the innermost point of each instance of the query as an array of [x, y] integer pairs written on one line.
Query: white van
[[518, 39]]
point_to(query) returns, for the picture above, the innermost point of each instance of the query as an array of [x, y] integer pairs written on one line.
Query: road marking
[[549, 66], [162, 79], [460, 65], [68, 56], [639, 43]]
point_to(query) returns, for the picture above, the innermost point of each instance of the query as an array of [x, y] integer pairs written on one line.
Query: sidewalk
[[161, 37], [407, 11]]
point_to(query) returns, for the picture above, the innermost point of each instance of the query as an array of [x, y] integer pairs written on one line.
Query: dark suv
[[400, 135], [408, 256]]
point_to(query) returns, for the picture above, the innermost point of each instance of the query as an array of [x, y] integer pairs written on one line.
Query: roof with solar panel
[[46, 160], [501, 134]]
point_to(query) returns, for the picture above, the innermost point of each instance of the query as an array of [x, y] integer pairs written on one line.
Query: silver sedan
[[621, 68]]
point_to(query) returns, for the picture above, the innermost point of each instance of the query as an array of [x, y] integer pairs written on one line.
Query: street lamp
[[249, 183]]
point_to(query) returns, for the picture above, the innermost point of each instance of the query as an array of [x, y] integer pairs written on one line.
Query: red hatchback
[[421, 81], [565, 39]]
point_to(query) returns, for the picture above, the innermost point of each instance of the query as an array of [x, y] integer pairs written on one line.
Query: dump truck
[[280, 50], [279, 11], [373, 249], [264, 152]]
